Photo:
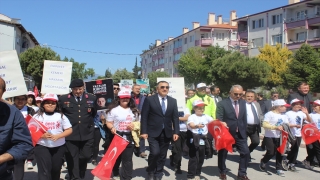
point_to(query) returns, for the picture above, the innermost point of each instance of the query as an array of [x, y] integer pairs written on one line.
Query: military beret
[[76, 83]]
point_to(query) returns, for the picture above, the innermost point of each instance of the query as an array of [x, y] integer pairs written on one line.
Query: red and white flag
[[221, 135], [36, 128], [36, 91], [310, 133], [104, 168], [284, 137]]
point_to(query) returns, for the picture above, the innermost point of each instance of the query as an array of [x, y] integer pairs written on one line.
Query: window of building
[[170, 46], [220, 36], [166, 60], [204, 35], [257, 42], [277, 39], [191, 38], [161, 61], [170, 59], [317, 10], [301, 36], [185, 40], [276, 19], [257, 23], [302, 14]]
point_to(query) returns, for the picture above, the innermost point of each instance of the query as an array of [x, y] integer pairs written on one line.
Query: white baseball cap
[[296, 101], [200, 85], [316, 102], [50, 97], [124, 94], [39, 99], [280, 102], [30, 93], [198, 103]]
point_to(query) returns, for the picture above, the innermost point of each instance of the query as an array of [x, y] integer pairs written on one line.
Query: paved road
[[210, 170]]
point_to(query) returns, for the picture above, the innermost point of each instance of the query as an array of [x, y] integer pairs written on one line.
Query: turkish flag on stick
[[284, 137], [36, 91], [310, 133], [104, 168], [36, 128], [221, 135]]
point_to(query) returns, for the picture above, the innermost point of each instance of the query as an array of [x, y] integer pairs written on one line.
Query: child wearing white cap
[[296, 117], [50, 149], [197, 139], [315, 150], [272, 124]]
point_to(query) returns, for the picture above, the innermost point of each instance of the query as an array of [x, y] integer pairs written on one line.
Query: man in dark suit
[[215, 91], [159, 115], [303, 95], [232, 112], [254, 119], [80, 108], [269, 103]]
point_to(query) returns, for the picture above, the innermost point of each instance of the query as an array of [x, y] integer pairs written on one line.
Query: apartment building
[[166, 54], [13, 35], [290, 25]]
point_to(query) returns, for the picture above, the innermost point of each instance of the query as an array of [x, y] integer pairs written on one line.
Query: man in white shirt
[[254, 119]]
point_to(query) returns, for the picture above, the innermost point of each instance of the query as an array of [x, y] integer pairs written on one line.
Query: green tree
[[108, 73], [121, 74], [153, 78], [236, 68], [32, 61], [278, 59], [136, 69], [79, 70], [304, 67], [195, 64]]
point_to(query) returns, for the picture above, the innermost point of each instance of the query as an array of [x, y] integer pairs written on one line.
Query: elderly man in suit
[[232, 112], [159, 123], [254, 119]]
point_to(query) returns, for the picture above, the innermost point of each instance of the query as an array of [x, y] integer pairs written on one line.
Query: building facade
[[166, 54], [13, 36], [290, 25]]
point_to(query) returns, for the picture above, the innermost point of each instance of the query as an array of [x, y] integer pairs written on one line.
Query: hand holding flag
[[221, 135], [284, 137], [310, 133], [36, 128]]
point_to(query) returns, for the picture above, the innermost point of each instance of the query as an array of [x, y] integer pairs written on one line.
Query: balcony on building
[[315, 42], [203, 42], [303, 19], [244, 51], [237, 44], [243, 30]]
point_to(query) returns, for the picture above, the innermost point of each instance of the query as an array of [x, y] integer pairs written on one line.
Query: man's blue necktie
[[163, 106]]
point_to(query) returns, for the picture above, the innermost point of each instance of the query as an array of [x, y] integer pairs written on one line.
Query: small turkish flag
[[36, 91], [36, 128], [221, 135], [104, 168], [284, 137], [310, 133]]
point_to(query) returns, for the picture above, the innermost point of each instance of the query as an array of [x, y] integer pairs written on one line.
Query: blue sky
[[118, 26]]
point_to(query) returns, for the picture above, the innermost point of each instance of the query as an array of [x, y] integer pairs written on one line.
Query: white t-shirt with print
[[56, 125], [183, 124], [121, 118], [274, 119], [315, 118], [296, 118], [204, 119]]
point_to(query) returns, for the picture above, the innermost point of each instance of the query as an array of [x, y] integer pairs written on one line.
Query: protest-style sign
[[10, 71], [176, 90], [56, 77], [103, 89], [144, 84], [126, 85]]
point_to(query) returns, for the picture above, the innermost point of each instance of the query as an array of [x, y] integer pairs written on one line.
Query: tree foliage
[[121, 74], [236, 68], [79, 70], [195, 64], [32, 62], [136, 69], [278, 59], [153, 77], [108, 73], [304, 67]]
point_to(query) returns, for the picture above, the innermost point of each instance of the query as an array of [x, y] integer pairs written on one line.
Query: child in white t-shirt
[[50, 149], [296, 117], [197, 126], [314, 152], [272, 124]]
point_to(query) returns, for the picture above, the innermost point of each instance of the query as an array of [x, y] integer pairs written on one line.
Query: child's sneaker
[[307, 164], [280, 173]]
